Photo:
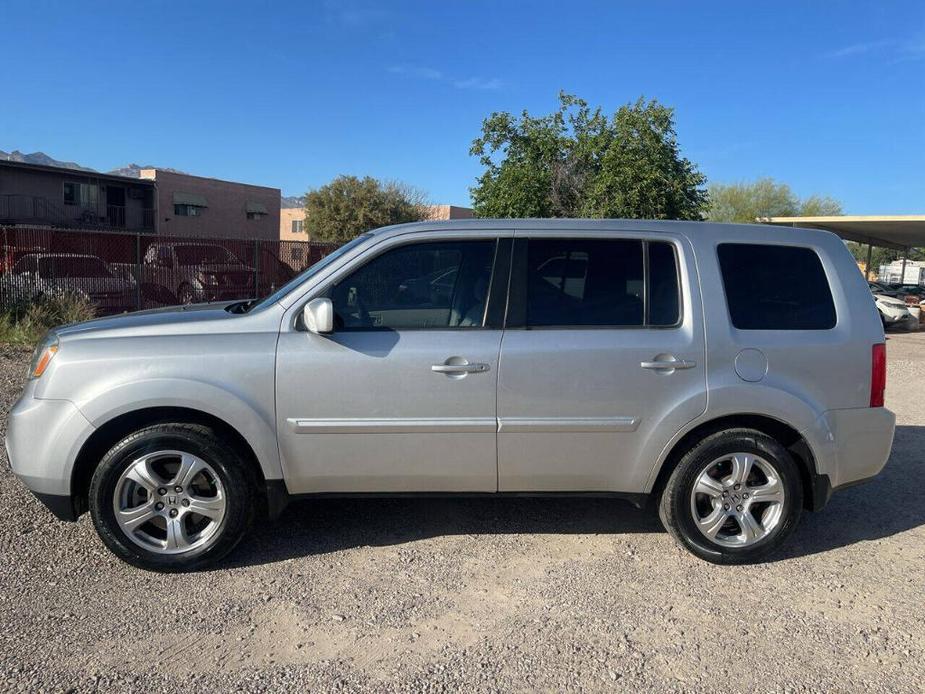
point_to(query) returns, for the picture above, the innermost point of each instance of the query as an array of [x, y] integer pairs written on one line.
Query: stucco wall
[[286, 216]]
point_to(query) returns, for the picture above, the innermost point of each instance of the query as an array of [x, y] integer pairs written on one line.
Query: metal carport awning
[[899, 232]]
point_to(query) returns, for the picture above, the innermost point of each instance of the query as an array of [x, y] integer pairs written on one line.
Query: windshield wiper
[[241, 306]]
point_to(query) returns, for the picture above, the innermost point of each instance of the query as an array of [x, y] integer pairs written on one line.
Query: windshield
[[312, 270], [66, 267], [203, 255]]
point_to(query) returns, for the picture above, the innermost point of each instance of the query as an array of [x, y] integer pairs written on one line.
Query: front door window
[[434, 285]]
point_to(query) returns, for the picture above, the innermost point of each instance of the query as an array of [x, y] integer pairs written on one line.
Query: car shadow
[[320, 526], [888, 505]]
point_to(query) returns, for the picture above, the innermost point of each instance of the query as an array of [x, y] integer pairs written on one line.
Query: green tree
[[349, 206], [746, 202], [577, 162], [819, 206]]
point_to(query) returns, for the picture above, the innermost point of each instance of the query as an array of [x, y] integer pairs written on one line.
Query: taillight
[[877, 375]]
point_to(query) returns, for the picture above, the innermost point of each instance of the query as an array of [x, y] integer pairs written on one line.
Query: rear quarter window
[[772, 287]]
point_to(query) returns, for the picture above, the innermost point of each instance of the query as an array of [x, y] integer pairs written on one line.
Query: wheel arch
[[815, 486], [113, 430]]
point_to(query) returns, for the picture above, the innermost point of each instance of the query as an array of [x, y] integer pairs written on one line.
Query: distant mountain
[[40, 158], [288, 202], [134, 170]]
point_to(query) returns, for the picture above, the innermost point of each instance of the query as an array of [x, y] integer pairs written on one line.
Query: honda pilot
[[734, 375]]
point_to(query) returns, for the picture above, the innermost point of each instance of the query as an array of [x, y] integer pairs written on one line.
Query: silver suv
[[732, 374]]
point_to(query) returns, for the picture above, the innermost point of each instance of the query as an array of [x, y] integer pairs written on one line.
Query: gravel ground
[[427, 595]]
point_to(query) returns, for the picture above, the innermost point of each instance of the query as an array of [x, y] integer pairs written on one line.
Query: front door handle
[[475, 368], [668, 363]]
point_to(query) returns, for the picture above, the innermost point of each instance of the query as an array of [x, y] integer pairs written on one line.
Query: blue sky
[[826, 96]]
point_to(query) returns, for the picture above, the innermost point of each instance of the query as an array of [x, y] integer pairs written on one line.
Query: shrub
[[26, 324], [59, 308]]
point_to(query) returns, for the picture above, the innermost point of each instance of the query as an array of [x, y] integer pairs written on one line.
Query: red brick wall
[[225, 216]]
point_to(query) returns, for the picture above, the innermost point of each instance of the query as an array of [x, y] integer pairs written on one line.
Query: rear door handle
[[671, 364]]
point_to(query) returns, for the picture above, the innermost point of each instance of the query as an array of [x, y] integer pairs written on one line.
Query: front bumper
[[43, 438], [892, 317]]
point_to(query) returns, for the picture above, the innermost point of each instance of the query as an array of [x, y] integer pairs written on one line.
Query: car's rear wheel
[[733, 498], [172, 497]]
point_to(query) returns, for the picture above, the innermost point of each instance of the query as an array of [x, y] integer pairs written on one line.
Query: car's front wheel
[[733, 498], [172, 497]]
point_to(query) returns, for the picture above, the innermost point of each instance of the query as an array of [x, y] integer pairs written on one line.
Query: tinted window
[[165, 256], [578, 282], [76, 266], [204, 255], [775, 287], [664, 298], [424, 285], [24, 264]]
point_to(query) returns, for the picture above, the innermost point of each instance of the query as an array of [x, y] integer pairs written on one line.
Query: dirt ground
[[432, 595]]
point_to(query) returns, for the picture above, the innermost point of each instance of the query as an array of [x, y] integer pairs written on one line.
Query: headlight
[[44, 353]]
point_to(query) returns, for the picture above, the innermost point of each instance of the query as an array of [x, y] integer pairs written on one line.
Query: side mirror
[[318, 315]]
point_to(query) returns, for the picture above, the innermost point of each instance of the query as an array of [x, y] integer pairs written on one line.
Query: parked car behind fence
[[36, 275], [132, 271]]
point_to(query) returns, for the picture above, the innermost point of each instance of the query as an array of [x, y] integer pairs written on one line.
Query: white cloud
[[895, 50], [353, 15], [859, 49], [478, 83], [424, 73], [434, 75]]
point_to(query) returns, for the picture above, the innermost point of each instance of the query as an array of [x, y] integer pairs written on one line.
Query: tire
[[173, 537], [740, 524]]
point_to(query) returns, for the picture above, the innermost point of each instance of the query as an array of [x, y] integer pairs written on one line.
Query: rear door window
[[772, 287], [584, 282], [664, 298], [581, 282]]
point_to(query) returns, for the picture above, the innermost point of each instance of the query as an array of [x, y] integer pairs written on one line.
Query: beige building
[[292, 219], [292, 224], [208, 207], [441, 212]]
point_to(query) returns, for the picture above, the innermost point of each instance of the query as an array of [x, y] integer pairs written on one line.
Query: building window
[[187, 210], [255, 210], [297, 226], [83, 194]]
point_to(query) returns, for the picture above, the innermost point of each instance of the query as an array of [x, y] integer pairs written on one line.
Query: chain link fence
[[131, 271]]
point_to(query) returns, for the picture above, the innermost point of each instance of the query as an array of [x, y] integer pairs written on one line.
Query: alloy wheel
[[737, 500], [169, 502]]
